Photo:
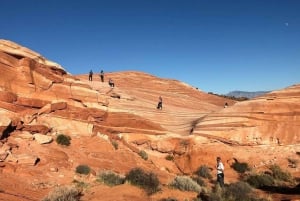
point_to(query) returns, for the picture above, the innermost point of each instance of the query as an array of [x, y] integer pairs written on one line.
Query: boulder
[[43, 139], [25, 135], [5, 123], [27, 159], [58, 106]]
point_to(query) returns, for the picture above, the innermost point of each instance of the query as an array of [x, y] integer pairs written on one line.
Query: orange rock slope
[[39, 100]]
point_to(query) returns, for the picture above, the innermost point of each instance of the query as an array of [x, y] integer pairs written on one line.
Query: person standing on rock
[[102, 76], [159, 105], [220, 172], [91, 75]]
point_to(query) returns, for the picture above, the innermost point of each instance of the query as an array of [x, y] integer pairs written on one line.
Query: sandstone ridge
[[39, 99]]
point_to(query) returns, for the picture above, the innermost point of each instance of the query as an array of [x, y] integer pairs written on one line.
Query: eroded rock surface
[[109, 127]]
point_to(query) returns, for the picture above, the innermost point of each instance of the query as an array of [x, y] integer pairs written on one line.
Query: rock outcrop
[[109, 127]]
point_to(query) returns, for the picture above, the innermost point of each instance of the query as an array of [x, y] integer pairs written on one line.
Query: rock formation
[[40, 100]]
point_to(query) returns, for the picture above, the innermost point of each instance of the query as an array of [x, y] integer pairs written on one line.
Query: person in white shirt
[[220, 172]]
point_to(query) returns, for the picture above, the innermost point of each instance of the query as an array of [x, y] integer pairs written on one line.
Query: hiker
[[159, 105], [111, 83], [91, 75], [102, 76], [226, 105], [220, 172]]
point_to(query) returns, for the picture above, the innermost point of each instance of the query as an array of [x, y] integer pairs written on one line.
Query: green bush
[[170, 157], [148, 181], [279, 174], [83, 169], [63, 193], [240, 167], [185, 183], [143, 155], [110, 178], [63, 139], [204, 171], [259, 181]]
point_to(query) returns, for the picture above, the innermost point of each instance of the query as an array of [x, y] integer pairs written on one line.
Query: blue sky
[[217, 46]]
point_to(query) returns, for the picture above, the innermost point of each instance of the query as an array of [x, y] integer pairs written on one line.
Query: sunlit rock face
[[109, 127], [270, 119]]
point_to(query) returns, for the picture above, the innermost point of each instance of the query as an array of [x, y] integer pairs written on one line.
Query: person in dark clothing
[[111, 83], [102, 76], [159, 105], [91, 75]]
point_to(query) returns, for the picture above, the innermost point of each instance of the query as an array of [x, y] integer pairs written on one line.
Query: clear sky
[[217, 46]]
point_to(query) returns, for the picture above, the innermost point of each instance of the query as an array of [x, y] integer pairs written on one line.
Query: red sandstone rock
[[108, 127]]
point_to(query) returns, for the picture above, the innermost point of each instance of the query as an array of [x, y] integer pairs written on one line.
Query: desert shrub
[[185, 183], [63, 193], [143, 155], [83, 169], [115, 144], [204, 171], [259, 181], [199, 181], [240, 167], [63, 139], [168, 199], [279, 174], [239, 191], [234, 192], [80, 184], [170, 157], [217, 194], [148, 181], [110, 178]]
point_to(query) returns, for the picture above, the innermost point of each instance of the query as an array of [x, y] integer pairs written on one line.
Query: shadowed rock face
[[38, 97]]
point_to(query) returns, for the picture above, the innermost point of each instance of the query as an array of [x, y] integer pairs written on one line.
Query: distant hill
[[246, 94]]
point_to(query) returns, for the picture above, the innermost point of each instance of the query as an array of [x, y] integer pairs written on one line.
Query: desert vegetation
[[240, 167], [204, 171], [143, 155], [83, 169], [148, 181], [185, 183], [230, 97], [110, 178], [63, 139], [63, 193], [115, 144]]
